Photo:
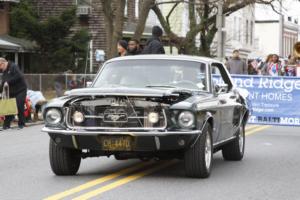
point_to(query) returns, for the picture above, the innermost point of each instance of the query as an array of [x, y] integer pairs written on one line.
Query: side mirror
[[221, 88], [89, 83]]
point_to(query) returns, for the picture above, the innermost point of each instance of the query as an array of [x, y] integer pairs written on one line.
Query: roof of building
[[13, 44], [12, 1]]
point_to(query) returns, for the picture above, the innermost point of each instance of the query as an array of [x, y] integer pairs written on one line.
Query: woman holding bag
[[14, 78]]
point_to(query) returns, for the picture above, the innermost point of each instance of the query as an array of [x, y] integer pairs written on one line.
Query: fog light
[[153, 117], [78, 117], [181, 142]]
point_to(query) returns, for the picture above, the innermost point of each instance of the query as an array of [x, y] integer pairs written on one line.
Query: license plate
[[120, 143]]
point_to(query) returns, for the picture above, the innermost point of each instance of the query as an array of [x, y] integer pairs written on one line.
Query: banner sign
[[275, 100]]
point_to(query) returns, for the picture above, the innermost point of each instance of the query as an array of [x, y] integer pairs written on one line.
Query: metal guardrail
[[54, 85]]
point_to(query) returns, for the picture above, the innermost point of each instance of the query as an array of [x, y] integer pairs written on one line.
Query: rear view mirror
[[221, 88]]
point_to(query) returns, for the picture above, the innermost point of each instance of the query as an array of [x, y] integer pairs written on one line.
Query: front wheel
[[235, 149], [63, 161], [198, 159]]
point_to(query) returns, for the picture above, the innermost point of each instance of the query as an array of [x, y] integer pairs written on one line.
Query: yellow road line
[[249, 130], [124, 181], [260, 128], [98, 181], [249, 127]]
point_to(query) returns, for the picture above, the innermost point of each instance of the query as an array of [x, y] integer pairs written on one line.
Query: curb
[[29, 124]]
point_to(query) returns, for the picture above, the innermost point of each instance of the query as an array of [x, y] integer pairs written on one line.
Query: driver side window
[[218, 81], [216, 76]]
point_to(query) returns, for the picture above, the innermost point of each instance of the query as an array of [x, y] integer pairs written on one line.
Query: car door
[[227, 101]]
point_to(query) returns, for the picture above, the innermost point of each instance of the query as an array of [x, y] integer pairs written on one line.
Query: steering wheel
[[186, 84]]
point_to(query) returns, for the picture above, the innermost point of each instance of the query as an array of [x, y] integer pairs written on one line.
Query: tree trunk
[[108, 16], [118, 27], [143, 15]]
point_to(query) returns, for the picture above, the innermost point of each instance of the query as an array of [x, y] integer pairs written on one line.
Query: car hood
[[145, 92], [186, 98]]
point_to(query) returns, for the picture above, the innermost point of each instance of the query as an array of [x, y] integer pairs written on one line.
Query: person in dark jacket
[[133, 48], [236, 65], [14, 78], [154, 44]]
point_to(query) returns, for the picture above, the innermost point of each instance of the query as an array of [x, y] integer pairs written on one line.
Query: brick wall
[[4, 18]]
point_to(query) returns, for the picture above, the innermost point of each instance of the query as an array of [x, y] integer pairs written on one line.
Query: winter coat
[[134, 53], [15, 79], [237, 66], [154, 46]]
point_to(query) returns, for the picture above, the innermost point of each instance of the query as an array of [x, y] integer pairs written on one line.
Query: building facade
[[91, 17], [238, 32], [275, 35], [13, 49], [240, 29]]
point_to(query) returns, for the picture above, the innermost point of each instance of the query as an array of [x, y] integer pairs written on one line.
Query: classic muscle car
[[150, 106]]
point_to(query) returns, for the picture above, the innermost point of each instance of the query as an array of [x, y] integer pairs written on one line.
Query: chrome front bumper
[[132, 133]]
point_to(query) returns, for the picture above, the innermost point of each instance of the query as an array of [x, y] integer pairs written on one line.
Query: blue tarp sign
[[275, 100]]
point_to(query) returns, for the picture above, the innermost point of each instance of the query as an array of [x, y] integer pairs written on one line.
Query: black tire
[[196, 165], [234, 150], [63, 161]]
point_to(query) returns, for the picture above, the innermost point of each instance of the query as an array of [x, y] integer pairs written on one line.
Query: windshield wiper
[[161, 86]]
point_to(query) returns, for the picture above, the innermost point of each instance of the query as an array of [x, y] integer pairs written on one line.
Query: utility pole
[[281, 27], [220, 35]]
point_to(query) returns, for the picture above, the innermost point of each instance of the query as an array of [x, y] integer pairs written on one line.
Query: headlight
[[78, 117], [153, 117], [53, 116], [186, 119]]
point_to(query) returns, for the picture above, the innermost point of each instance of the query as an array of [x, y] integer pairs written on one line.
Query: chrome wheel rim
[[208, 152], [241, 139]]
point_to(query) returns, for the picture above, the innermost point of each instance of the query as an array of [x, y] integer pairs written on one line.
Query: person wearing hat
[[122, 47], [154, 44]]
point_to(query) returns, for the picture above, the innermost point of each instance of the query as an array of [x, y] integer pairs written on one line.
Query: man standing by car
[[154, 44], [14, 78], [236, 65]]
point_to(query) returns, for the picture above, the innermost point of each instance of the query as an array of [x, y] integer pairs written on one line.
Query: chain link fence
[[54, 85]]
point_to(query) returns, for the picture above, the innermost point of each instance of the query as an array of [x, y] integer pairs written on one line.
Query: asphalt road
[[269, 170]]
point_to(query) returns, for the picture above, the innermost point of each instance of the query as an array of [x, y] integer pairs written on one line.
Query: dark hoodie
[[154, 45], [15, 79], [134, 52]]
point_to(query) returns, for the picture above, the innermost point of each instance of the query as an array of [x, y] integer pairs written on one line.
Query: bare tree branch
[[165, 25], [170, 12], [143, 15]]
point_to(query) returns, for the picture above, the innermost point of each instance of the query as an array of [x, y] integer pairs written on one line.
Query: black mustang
[[150, 106]]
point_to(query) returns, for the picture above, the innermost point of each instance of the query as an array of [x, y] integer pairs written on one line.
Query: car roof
[[166, 57]]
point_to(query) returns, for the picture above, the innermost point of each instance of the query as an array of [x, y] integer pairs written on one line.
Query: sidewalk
[[14, 124]]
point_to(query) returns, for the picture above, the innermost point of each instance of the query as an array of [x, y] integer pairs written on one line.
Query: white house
[[274, 35], [239, 28]]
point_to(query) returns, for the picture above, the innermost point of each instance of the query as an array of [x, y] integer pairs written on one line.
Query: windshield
[[153, 74]]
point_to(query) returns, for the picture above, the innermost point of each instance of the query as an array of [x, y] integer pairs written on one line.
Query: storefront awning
[[11, 1], [17, 45], [5, 45]]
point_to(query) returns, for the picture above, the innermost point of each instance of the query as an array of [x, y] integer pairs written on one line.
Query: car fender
[[207, 119]]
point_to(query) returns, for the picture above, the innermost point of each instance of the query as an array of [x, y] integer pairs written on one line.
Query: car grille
[[106, 117]]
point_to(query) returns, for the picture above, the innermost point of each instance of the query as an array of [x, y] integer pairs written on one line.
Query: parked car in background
[[150, 106]]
